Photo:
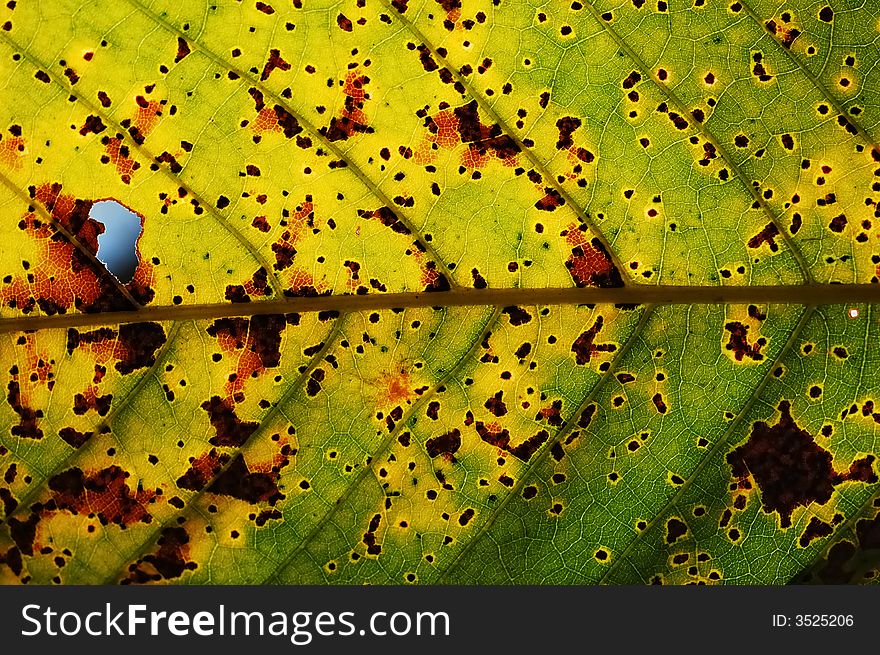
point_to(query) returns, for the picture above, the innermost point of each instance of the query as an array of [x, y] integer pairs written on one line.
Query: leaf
[[440, 292]]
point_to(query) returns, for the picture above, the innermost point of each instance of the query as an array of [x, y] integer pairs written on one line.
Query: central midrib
[[808, 294]]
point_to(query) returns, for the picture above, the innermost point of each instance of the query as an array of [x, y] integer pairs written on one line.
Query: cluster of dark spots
[[352, 118], [267, 515], [93, 125], [104, 494], [496, 405], [768, 236], [590, 264], [551, 414], [426, 59], [566, 126], [275, 61], [675, 530], [584, 347], [739, 343], [260, 334], [517, 315], [479, 280], [27, 427], [169, 561], [313, 386], [786, 35], [550, 201], [483, 139], [135, 344], [846, 561], [790, 468], [387, 217], [758, 69], [447, 444], [167, 158], [369, 539], [202, 470], [229, 429], [500, 438]]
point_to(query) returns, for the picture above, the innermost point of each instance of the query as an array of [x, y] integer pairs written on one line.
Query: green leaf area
[[440, 291]]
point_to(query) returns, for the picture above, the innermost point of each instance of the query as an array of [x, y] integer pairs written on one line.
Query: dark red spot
[[767, 235], [675, 530], [230, 430], [169, 561], [447, 444], [103, 493], [517, 315], [816, 529], [182, 49], [93, 125], [387, 217], [275, 61], [739, 343], [496, 405], [584, 347], [790, 468]]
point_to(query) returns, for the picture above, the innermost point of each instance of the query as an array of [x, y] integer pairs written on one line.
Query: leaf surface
[[440, 292]]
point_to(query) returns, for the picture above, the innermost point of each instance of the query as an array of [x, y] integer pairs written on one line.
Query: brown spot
[[589, 263], [496, 405], [275, 61], [352, 118], [517, 315], [182, 50], [387, 217], [584, 347], [93, 125], [790, 468], [816, 529], [74, 437], [27, 427], [739, 343], [343, 23], [202, 470], [550, 201], [239, 482], [169, 561], [102, 493], [675, 530], [230, 430], [838, 223], [566, 126], [24, 533], [767, 235], [447, 444]]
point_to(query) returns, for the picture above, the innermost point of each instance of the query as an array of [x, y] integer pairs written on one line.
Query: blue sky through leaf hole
[[116, 246]]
